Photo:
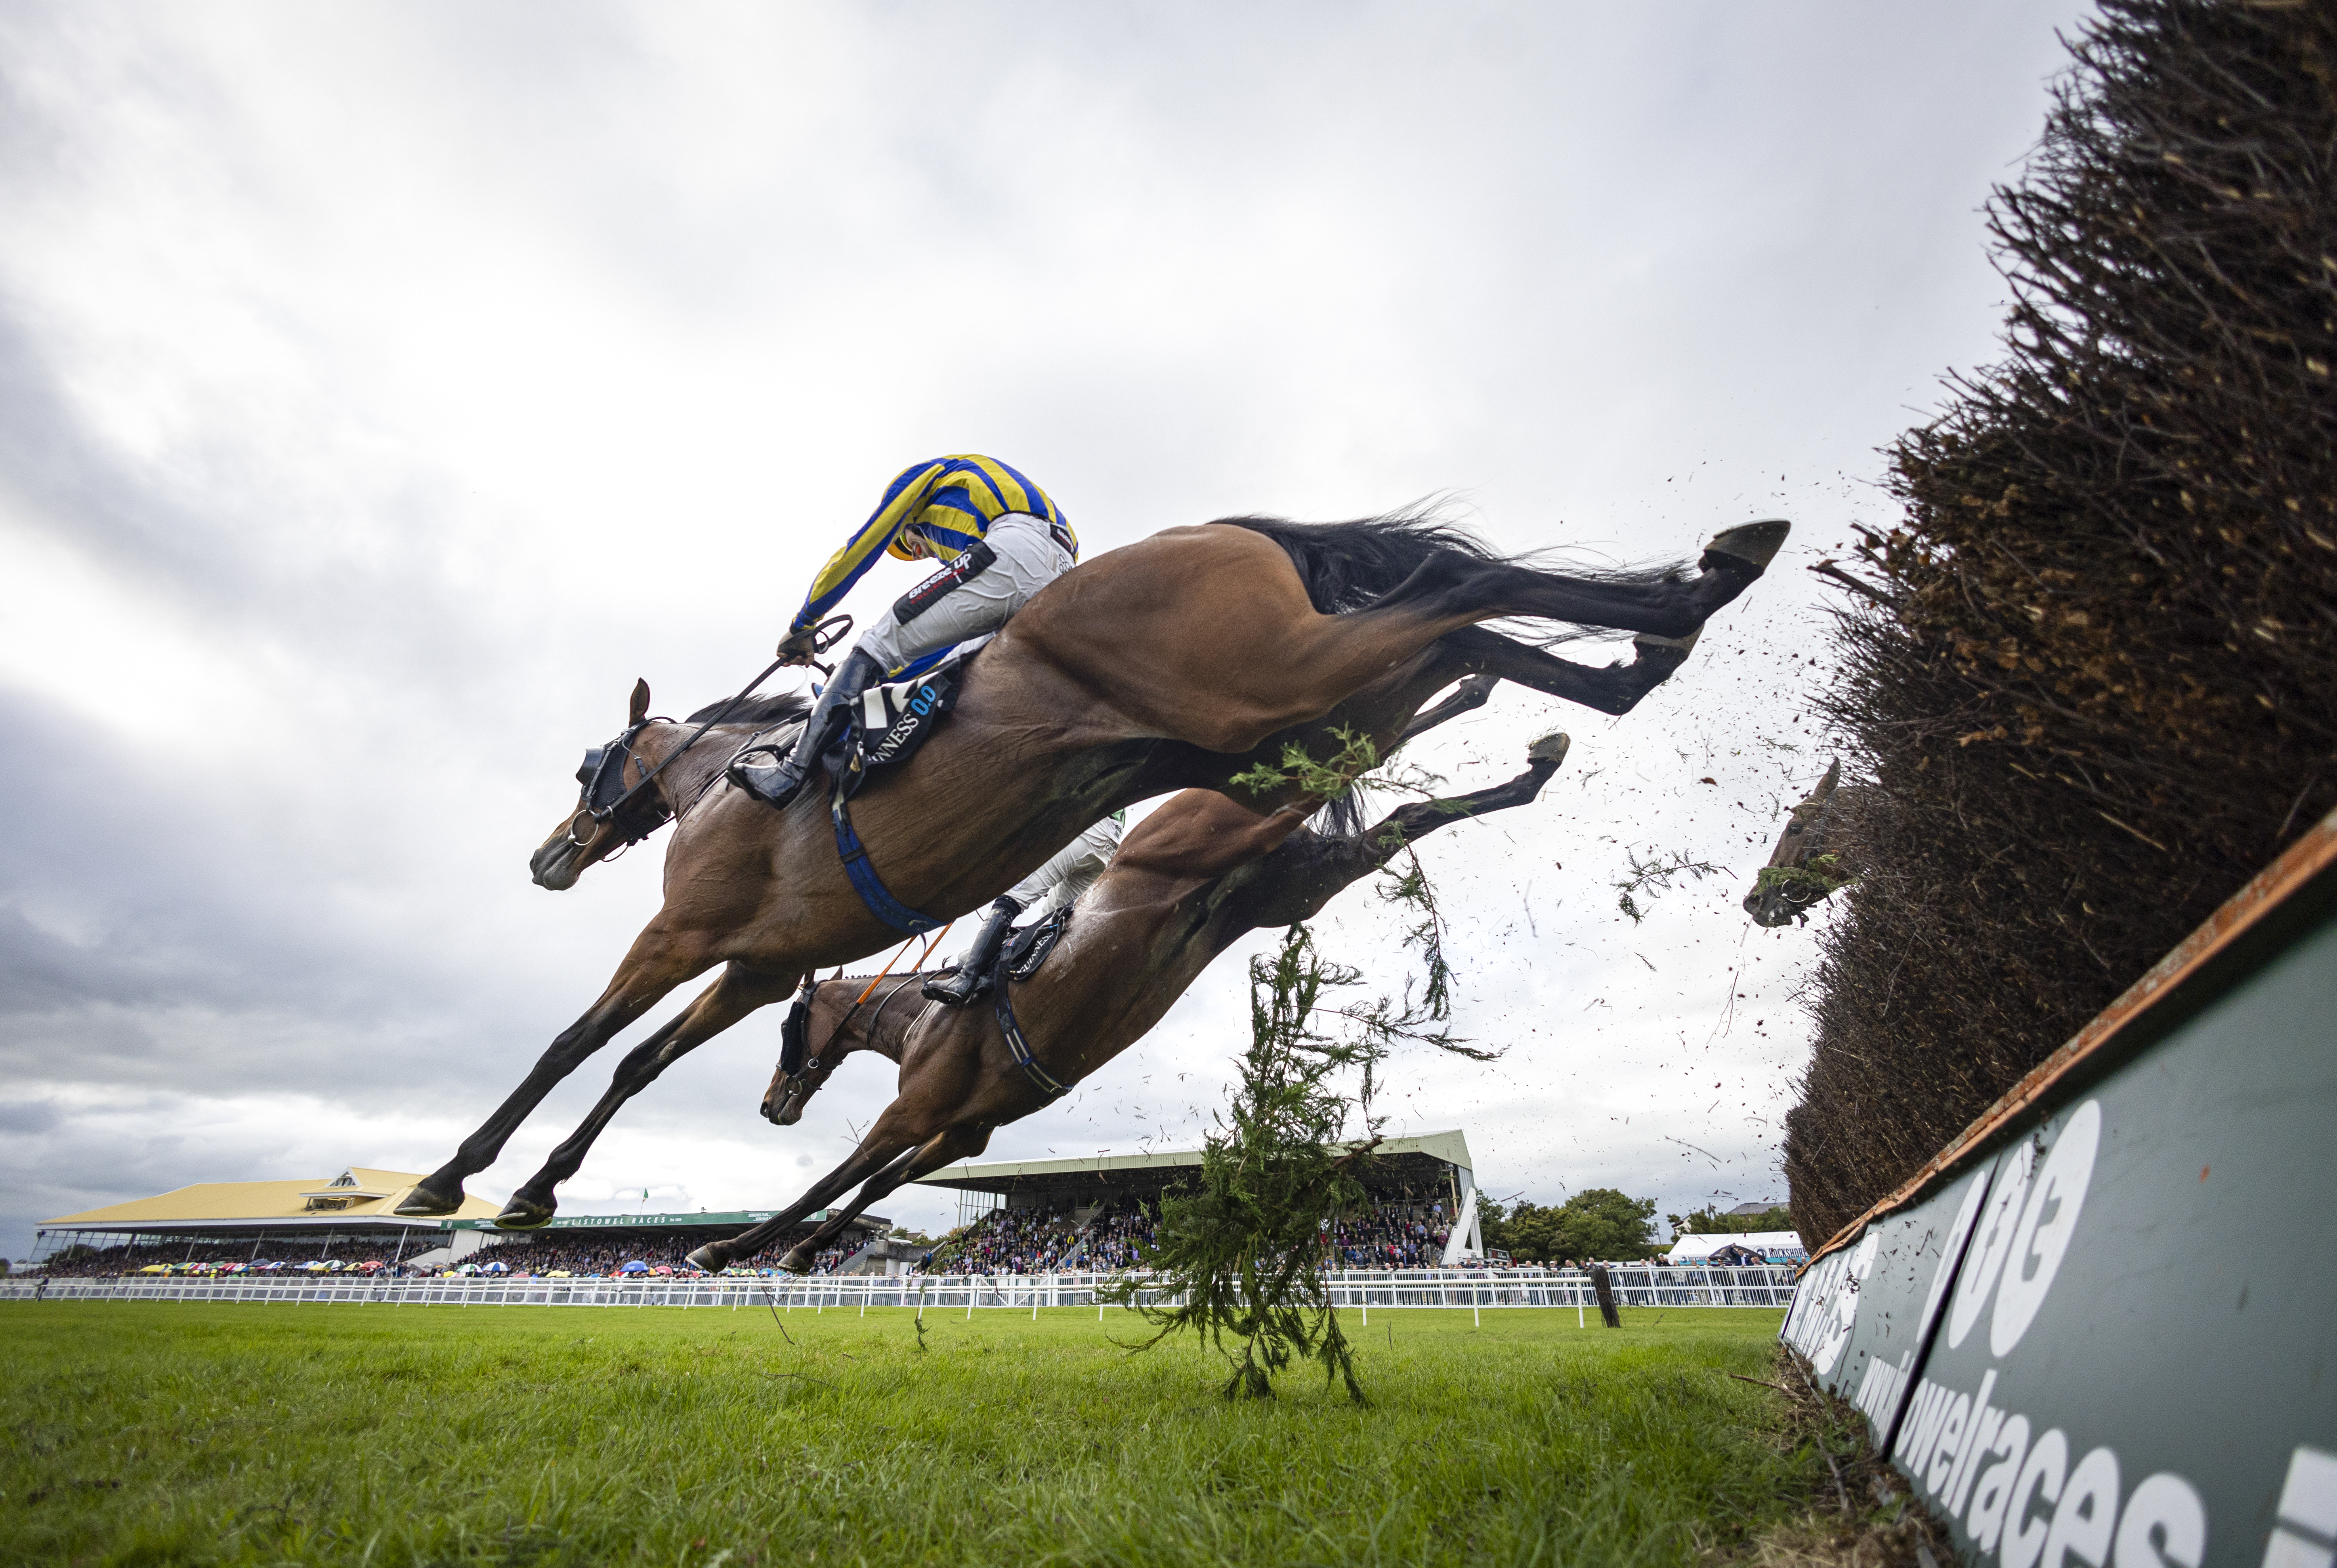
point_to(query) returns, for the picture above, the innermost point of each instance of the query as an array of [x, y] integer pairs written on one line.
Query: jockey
[[1002, 539], [1055, 885]]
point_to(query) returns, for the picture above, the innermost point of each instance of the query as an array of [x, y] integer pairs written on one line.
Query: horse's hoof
[[713, 1258], [426, 1204], [796, 1262], [525, 1214], [1755, 544], [1550, 748]]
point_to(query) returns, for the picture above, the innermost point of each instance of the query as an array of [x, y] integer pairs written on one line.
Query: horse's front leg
[[739, 991], [660, 960]]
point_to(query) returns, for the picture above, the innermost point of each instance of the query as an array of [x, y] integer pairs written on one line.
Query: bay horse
[[1174, 663], [1134, 943], [1385, 714]]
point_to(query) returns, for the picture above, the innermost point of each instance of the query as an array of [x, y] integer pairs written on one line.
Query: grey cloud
[[27, 1116], [1609, 277]]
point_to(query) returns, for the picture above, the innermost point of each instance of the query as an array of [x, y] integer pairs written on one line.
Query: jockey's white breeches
[[1070, 872], [1028, 559]]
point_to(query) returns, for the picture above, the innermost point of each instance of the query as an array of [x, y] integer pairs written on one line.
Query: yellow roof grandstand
[[357, 1192]]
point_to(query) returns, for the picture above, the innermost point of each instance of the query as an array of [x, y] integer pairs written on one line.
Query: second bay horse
[[1135, 942]]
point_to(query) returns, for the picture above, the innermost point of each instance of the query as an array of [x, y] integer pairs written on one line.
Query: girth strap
[[865, 880], [1042, 1080]]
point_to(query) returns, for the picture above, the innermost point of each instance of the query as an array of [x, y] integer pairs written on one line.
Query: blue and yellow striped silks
[[951, 501]]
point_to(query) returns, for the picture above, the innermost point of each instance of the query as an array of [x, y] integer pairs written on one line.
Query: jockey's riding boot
[[776, 779], [972, 976]]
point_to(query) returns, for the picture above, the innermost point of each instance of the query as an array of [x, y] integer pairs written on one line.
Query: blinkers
[[602, 775]]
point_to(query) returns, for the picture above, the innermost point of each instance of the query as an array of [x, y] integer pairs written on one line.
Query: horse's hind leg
[[1450, 583], [951, 1143], [739, 991], [1264, 665], [659, 961], [1615, 689], [881, 1146], [1473, 695]]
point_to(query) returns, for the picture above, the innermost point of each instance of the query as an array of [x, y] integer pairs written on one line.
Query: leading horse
[[1175, 662]]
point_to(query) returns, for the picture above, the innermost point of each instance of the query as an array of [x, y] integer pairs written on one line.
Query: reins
[[812, 1063], [822, 641]]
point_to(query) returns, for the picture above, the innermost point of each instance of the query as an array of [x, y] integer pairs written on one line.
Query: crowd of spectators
[[236, 1260], [1044, 1240], [1115, 1238], [1009, 1241], [233, 1258], [590, 1255], [663, 1253], [1393, 1236]]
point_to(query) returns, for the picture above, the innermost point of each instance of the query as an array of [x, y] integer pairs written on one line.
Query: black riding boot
[[768, 777], [973, 976]]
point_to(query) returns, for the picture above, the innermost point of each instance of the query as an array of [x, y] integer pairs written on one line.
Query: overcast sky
[[384, 388]]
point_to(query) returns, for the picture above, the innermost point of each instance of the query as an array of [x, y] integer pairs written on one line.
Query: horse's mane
[[776, 709]]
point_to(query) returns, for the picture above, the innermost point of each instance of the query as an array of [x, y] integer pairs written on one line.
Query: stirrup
[[953, 987], [775, 783]]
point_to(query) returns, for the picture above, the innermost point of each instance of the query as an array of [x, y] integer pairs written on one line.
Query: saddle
[[885, 726], [1020, 957], [1028, 947]]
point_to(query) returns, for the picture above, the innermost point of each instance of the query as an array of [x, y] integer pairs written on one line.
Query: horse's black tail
[[1346, 565]]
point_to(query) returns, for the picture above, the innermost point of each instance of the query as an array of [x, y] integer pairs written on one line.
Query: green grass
[[160, 1433]]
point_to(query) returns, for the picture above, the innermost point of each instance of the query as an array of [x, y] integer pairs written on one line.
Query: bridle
[[602, 773], [795, 1063]]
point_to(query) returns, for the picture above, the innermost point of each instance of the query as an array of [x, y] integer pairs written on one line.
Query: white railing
[[1361, 1288]]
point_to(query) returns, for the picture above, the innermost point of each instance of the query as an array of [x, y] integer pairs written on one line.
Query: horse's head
[[829, 1020], [1804, 870], [611, 809]]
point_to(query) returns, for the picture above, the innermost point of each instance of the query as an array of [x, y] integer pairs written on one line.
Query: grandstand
[[294, 1224], [587, 1244], [347, 1222], [1041, 1216]]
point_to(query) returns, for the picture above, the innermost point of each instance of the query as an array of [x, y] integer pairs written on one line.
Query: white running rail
[[1770, 1286]]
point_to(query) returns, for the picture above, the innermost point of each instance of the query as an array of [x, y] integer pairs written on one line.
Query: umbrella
[[497, 1267], [635, 1267]]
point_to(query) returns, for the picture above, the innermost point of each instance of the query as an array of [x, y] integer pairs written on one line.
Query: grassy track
[[170, 1433]]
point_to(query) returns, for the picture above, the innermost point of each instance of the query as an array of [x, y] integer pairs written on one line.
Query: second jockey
[[1002, 540], [1056, 885]]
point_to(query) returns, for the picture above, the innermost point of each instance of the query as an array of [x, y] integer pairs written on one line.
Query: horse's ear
[[1826, 784], [640, 708]]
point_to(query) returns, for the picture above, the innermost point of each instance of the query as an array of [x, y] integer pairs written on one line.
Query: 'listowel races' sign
[[2101, 1330]]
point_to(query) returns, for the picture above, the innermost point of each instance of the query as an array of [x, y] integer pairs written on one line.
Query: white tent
[[1778, 1246]]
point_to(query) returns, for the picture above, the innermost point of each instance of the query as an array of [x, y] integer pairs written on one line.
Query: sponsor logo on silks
[[916, 713]]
